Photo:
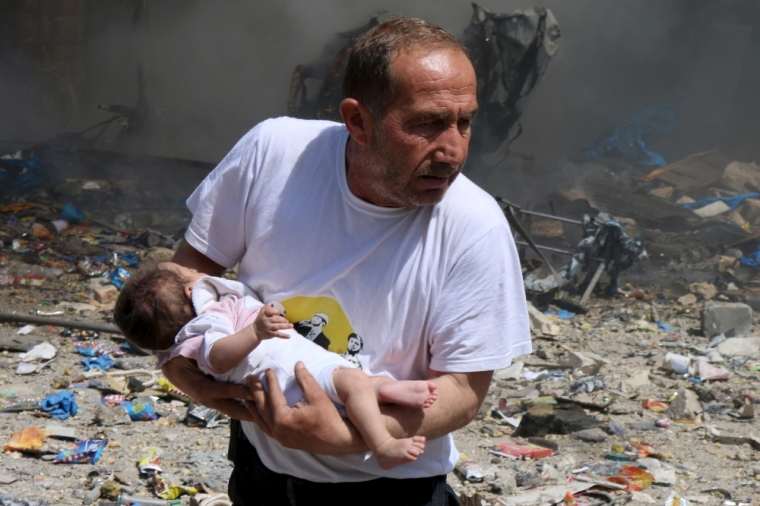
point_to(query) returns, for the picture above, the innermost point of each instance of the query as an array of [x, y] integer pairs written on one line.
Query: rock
[[587, 363], [543, 419], [740, 347], [157, 255], [741, 176], [751, 210], [687, 300], [504, 484], [714, 356], [540, 324], [595, 435], [106, 294], [666, 477], [715, 209], [642, 498], [513, 372], [684, 199], [650, 464], [638, 380], [730, 318], [703, 290], [525, 479], [686, 406], [664, 193]]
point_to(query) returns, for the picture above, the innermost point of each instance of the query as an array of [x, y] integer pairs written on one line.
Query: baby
[[176, 310]]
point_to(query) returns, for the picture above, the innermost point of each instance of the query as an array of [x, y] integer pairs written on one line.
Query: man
[[411, 256], [312, 329]]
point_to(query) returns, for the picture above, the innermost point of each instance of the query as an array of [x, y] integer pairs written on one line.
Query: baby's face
[[190, 274]]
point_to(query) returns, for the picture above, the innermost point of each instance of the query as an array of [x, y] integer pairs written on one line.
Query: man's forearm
[[459, 398]]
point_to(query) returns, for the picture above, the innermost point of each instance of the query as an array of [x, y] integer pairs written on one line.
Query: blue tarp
[[103, 362], [628, 139], [731, 202]]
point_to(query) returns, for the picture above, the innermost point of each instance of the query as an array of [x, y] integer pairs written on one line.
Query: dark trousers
[[252, 484]]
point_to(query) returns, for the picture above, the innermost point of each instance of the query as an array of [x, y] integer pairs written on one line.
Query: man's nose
[[452, 147]]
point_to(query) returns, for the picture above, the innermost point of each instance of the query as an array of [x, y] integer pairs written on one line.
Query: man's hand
[[313, 425], [186, 376]]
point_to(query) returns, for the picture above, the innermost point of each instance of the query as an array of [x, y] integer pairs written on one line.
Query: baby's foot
[[417, 394], [395, 452]]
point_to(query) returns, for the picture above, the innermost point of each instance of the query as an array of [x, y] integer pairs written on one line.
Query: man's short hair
[[152, 308], [368, 76]]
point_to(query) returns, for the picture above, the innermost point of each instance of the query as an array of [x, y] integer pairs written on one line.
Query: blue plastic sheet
[[628, 139], [72, 214], [731, 202], [664, 327], [751, 260], [103, 362], [60, 406]]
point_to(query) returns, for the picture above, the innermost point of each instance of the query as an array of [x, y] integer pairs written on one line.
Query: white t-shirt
[[439, 287]]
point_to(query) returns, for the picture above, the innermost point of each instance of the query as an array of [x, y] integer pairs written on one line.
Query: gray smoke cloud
[[215, 69]]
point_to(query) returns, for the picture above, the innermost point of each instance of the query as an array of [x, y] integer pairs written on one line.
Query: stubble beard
[[391, 184]]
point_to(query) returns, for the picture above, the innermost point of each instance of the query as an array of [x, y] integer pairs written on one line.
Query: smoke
[[214, 69]]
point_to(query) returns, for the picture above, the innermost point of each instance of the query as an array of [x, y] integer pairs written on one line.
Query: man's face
[[420, 144], [354, 344]]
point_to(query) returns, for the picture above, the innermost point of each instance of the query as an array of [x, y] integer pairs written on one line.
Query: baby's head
[[155, 304]]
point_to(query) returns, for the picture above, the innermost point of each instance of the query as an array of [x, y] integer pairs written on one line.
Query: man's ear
[[358, 120]]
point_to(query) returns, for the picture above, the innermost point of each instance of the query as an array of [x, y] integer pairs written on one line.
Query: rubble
[[732, 319]]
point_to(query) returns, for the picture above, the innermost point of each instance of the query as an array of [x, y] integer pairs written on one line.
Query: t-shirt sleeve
[[480, 322], [220, 203]]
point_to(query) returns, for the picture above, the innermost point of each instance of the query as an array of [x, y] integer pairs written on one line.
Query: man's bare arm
[[184, 373], [314, 424], [186, 376], [191, 258]]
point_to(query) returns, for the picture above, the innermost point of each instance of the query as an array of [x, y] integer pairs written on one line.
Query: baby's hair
[[152, 307]]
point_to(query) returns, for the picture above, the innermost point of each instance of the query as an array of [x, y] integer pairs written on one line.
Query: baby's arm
[[229, 351]]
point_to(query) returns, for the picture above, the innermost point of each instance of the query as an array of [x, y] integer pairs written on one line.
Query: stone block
[[686, 406], [540, 324], [588, 363], [733, 319], [742, 177], [740, 347], [106, 294]]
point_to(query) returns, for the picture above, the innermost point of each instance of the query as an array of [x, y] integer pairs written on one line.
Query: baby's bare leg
[[355, 390], [417, 394]]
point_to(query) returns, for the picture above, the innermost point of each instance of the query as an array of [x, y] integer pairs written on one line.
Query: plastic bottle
[[130, 499]]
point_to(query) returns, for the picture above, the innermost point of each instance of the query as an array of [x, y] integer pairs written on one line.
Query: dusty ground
[[685, 457]]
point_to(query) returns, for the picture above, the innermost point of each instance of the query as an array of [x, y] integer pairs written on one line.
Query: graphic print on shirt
[[323, 321]]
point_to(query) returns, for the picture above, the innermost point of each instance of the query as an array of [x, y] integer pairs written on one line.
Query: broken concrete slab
[[639, 380], [587, 362], [742, 177], [730, 318], [540, 324], [685, 406], [513, 372], [704, 290], [740, 347], [711, 210], [543, 419], [595, 435]]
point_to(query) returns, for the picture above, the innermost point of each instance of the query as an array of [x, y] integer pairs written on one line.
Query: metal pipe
[[549, 216], [557, 250], [58, 322]]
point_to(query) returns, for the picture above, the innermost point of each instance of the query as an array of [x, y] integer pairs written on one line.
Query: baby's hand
[[269, 322]]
